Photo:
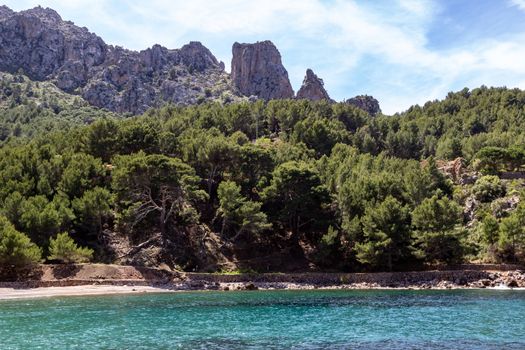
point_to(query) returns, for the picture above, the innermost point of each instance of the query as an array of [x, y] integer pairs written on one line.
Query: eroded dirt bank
[[468, 276]]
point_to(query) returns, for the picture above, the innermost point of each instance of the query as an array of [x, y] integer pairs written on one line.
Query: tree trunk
[[162, 221]]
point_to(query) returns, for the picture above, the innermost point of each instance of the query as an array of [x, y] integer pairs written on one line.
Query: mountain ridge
[[45, 47], [78, 61]]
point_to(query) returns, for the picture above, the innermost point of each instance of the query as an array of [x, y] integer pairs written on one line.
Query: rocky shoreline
[[128, 276], [396, 280]]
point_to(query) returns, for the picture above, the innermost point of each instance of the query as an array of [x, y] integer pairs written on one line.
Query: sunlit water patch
[[469, 319]]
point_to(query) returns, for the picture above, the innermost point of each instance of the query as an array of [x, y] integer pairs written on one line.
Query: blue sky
[[402, 52]]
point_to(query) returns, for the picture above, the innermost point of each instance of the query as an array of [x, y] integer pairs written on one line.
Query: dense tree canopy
[[349, 190], [155, 185], [16, 249]]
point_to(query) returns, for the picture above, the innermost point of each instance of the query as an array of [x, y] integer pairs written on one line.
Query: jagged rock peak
[[193, 55], [257, 70], [46, 14], [312, 88], [5, 11], [39, 42], [198, 57], [367, 103], [48, 48]]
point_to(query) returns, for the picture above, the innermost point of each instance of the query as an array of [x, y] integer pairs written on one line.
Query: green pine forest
[[313, 185]]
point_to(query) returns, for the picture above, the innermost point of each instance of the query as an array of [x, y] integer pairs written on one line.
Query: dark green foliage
[[490, 230], [82, 172], [16, 249], [155, 187], [320, 134], [42, 218], [352, 190], [491, 160], [210, 153], [101, 139], [92, 210], [63, 248], [239, 215], [437, 236], [386, 232], [296, 198], [488, 188], [512, 235], [460, 125]]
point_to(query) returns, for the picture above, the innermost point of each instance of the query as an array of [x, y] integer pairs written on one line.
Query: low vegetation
[[64, 249], [30, 108]]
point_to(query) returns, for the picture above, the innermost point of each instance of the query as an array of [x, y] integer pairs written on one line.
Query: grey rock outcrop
[[5, 11], [48, 48], [312, 88], [366, 103], [257, 70], [40, 43], [197, 57]]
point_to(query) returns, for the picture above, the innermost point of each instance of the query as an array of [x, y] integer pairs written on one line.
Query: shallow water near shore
[[375, 319]]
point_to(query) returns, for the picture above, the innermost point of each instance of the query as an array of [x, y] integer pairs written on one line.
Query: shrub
[[64, 248], [488, 188], [16, 249]]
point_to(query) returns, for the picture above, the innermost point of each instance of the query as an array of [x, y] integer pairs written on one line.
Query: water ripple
[[270, 320]]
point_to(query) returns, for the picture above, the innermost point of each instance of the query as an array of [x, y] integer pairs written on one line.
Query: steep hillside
[[29, 108], [457, 126], [48, 48], [278, 185]]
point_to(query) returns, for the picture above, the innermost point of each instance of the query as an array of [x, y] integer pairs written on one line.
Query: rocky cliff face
[[45, 47], [257, 70], [312, 88], [366, 103], [5, 11]]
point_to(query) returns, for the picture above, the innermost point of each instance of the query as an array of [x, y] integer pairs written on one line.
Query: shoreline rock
[[460, 279], [116, 275]]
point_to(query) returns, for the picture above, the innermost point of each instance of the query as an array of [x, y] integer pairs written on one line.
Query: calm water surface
[[472, 319]]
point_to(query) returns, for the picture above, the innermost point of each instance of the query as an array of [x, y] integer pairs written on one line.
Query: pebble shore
[[89, 280]]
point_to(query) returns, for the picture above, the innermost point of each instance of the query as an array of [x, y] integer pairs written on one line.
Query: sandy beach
[[87, 290], [16, 293], [100, 279]]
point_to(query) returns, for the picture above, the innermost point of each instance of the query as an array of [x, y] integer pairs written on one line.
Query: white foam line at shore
[[505, 288]]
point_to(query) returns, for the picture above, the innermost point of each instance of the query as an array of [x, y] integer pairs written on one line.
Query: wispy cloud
[[381, 47], [518, 3]]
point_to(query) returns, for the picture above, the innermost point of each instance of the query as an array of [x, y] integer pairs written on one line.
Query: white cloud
[[378, 47], [518, 3]]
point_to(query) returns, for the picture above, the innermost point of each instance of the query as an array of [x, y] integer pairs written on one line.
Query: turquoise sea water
[[469, 319]]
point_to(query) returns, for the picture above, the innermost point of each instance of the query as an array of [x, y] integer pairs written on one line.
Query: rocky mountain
[[367, 103], [46, 47], [29, 108], [5, 11], [39, 44], [257, 70], [312, 88]]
